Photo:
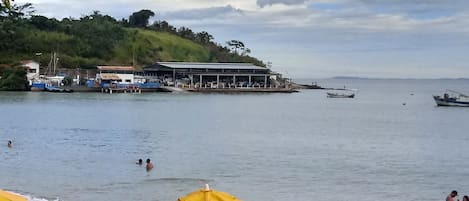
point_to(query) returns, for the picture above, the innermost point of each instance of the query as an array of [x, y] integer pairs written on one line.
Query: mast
[[55, 62]]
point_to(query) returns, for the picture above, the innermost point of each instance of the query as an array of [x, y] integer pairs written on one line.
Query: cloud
[[359, 36], [203, 13], [263, 3]]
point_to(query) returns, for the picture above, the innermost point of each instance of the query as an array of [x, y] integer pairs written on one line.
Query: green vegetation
[[13, 78], [99, 39]]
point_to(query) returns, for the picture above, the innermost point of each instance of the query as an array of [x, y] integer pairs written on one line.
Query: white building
[[32, 69], [116, 74]]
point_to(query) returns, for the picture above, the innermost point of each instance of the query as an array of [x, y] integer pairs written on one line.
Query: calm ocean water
[[258, 147]]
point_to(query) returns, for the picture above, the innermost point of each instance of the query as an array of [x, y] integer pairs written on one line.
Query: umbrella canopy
[[7, 196], [208, 194]]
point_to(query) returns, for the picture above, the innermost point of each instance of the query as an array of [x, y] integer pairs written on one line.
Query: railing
[[131, 86]]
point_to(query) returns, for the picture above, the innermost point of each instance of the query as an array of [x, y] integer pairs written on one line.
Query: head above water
[[454, 194], [140, 161], [148, 160], [9, 141], [465, 198]]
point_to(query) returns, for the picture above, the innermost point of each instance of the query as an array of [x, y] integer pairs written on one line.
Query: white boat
[[456, 99], [337, 95]]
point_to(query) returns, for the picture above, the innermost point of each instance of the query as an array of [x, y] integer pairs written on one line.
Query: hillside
[[149, 46], [99, 39]]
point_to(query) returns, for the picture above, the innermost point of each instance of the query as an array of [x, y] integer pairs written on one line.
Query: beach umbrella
[[207, 194], [7, 196]]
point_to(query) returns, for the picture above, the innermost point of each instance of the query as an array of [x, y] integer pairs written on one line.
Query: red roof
[[26, 62], [116, 68]]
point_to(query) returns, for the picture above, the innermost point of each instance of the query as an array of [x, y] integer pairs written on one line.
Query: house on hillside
[[32, 70]]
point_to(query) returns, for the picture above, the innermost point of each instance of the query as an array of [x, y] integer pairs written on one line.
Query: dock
[[242, 90]]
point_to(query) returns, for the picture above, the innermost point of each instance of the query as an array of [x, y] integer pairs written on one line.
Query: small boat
[[456, 99], [337, 95], [57, 90]]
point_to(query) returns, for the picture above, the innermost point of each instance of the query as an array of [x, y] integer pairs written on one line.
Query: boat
[[57, 90], [313, 85], [337, 95], [455, 99]]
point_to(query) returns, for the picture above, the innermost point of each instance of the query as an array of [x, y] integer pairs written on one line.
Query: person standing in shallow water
[[9, 144], [452, 196], [149, 165], [139, 162]]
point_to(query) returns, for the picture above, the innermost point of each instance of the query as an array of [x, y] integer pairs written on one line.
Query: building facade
[[209, 75], [32, 70], [115, 74]]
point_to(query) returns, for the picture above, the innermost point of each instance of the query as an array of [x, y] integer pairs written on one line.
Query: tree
[[94, 35], [44, 23], [20, 11], [140, 18], [13, 29], [203, 38], [14, 79], [163, 26], [67, 81], [246, 51], [236, 44], [186, 33]]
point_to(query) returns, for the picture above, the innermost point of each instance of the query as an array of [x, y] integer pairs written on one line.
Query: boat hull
[[332, 95], [450, 102]]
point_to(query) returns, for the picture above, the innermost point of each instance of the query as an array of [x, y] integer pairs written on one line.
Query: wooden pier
[[121, 90]]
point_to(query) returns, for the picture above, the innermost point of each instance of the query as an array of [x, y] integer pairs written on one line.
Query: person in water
[[465, 198], [149, 165], [9, 144], [452, 196], [140, 162]]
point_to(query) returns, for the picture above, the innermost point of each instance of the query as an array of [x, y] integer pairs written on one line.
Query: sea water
[[389, 143]]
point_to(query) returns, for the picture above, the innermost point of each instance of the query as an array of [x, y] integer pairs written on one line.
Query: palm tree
[[7, 3]]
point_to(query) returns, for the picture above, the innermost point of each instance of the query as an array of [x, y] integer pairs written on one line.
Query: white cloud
[[331, 30]]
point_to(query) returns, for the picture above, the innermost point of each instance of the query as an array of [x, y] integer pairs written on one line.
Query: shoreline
[[172, 89]]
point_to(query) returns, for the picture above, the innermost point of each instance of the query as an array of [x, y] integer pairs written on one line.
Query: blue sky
[[318, 38]]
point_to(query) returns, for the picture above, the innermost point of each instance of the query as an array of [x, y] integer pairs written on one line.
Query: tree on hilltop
[[238, 45], [203, 37], [140, 18]]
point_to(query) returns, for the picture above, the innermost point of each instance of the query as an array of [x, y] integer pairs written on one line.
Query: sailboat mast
[[55, 61]]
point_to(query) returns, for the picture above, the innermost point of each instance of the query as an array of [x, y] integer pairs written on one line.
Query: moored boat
[[57, 90], [337, 95], [458, 100]]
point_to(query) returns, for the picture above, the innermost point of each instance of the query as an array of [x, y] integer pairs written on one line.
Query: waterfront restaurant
[[209, 75], [115, 74]]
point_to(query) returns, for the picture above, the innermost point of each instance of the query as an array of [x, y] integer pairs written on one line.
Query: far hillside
[[98, 39]]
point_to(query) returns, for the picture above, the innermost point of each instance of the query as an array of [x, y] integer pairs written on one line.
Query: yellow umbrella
[[6, 196], [208, 194]]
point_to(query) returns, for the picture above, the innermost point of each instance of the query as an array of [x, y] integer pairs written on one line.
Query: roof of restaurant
[[110, 76], [116, 68], [193, 65]]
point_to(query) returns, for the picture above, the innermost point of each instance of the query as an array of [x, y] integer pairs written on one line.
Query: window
[[128, 81], [32, 70]]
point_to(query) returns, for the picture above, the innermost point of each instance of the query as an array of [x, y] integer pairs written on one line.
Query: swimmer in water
[[139, 162], [149, 165], [452, 196], [9, 144]]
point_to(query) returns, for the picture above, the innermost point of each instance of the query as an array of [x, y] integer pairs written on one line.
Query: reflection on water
[[83, 146]]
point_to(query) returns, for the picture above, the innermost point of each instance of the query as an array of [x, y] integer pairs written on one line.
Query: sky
[[317, 38]]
